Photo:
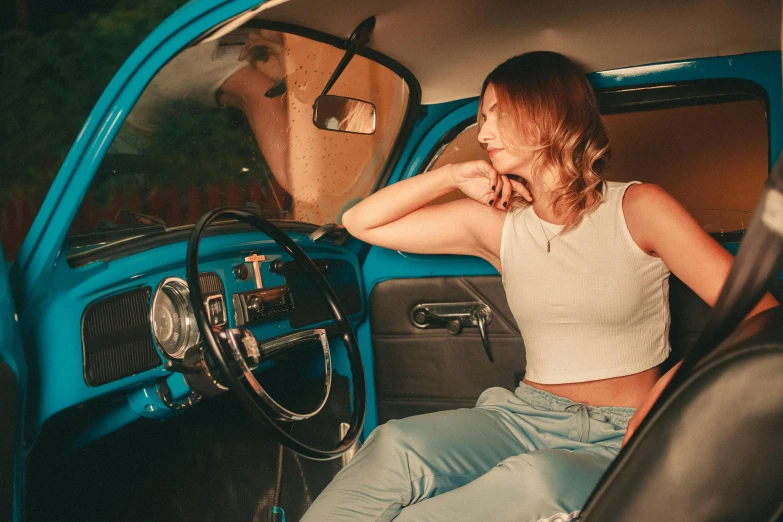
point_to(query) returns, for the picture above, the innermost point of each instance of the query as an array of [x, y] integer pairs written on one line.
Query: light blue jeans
[[525, 456]]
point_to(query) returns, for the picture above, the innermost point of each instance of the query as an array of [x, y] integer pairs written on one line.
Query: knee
[[385, 458], [399, 444], [386, 442], [396, 434], [386, 435]]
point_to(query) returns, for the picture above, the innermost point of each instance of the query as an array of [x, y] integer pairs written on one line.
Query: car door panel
[[423, 370]]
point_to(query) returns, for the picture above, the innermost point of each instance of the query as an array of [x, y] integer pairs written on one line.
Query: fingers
[[493, 180], [505, 196], [520, 189], [494, 189]]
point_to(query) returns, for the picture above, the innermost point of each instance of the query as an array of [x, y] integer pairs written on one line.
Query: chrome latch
[[454, 317], [324, 230]]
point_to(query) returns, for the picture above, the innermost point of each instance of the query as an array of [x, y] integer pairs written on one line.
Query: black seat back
[[689, 315], [713, 449]]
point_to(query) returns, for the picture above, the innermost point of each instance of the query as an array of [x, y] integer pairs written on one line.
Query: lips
[[492, 151]]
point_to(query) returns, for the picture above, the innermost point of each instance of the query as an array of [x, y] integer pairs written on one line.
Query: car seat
[[709, 450]]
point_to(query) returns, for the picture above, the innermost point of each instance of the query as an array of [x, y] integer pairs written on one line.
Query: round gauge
[[172, 319]]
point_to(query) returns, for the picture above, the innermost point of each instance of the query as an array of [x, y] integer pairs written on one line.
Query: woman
[[585, 265]]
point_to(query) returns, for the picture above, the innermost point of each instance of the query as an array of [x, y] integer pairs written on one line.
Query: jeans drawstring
[[580, 427]]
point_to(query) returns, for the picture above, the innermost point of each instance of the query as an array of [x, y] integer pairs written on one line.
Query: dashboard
[[125, 333], [125, 329]]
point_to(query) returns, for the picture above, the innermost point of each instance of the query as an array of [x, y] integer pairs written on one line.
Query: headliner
[[451, 45]]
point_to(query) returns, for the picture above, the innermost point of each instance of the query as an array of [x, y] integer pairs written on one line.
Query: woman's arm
[[397, 217], [662, 227], [646, 405]]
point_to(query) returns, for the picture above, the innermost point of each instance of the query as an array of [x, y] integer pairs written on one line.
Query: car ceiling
[[451, 45]]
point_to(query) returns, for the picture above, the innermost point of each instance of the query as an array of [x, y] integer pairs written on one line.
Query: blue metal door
[[13, 377]]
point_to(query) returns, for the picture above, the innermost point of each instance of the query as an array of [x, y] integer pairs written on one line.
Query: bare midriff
[[626, 391]]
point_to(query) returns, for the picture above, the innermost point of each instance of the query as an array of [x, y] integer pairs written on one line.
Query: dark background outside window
[[56, 58]]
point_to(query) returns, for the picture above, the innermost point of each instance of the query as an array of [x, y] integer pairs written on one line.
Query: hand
[[646, 405], [479, 180]]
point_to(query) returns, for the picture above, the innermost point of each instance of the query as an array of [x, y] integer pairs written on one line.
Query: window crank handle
[[480, 318]]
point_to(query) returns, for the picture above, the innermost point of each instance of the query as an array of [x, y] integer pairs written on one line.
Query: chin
[[500, 165]]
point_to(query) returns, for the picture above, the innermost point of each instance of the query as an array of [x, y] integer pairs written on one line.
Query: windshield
[[229, 122]]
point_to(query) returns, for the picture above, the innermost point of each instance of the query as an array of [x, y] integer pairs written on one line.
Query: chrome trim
[[182, 294], [442, 146], [275, 345], [772, 215], [225, 310], [346, 457], [438, 315], [164, 392], [454, 317], [240, 310], [204, 382], [323, 230]]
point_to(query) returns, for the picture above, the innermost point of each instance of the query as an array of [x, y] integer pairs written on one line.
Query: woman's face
[[520, 161]]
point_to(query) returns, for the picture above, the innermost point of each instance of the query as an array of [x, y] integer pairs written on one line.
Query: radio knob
[[276, 266], [255, 303], [241, 271]]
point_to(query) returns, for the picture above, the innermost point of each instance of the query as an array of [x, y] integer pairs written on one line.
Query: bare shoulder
[[643, 197], [662, 227], [649, 211]]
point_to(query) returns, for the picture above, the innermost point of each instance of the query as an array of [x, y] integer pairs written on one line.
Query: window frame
[[648, 97], [409, 119]]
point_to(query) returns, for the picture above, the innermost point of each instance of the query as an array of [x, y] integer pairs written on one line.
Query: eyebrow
[[494, 106]]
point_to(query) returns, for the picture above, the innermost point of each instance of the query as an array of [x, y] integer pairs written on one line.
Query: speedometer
[[172, 319]]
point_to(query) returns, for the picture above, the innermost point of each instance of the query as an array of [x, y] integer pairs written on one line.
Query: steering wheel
[[235, 350]]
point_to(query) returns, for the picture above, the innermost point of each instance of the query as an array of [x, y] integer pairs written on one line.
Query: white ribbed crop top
[[596, 306]]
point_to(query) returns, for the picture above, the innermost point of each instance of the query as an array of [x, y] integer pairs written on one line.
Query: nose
[[487, 132]]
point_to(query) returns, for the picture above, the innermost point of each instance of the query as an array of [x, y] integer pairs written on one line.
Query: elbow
[[350, 224]]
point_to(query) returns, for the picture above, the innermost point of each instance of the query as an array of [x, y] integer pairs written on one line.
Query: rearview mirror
[[336, 113]]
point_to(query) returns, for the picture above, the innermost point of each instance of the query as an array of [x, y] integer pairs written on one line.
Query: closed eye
[[491, 109]]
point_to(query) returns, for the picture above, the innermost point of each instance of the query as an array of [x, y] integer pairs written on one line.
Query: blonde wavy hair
[[545, 101]]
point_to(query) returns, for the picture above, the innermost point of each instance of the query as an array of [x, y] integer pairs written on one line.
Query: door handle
[[454, 317]]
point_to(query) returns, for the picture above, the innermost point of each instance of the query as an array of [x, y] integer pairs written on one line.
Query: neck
[[545, 212], [543, 198]]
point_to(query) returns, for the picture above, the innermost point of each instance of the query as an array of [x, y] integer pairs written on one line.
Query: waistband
[[617, 415]]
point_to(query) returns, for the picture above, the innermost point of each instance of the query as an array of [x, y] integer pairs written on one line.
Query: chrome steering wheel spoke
[[244, 348]]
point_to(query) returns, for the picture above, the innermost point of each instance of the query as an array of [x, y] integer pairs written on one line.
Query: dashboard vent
[[116, 337], [210, 283]]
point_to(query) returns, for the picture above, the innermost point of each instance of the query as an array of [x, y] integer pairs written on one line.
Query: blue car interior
[[104, 422]]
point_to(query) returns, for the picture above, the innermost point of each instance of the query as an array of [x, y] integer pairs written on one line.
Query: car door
[[716, 105], [418, 367], [12, 381]]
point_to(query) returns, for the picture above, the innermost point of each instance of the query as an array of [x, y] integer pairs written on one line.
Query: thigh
[[439, 451], [409, 460], [544, 485]]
